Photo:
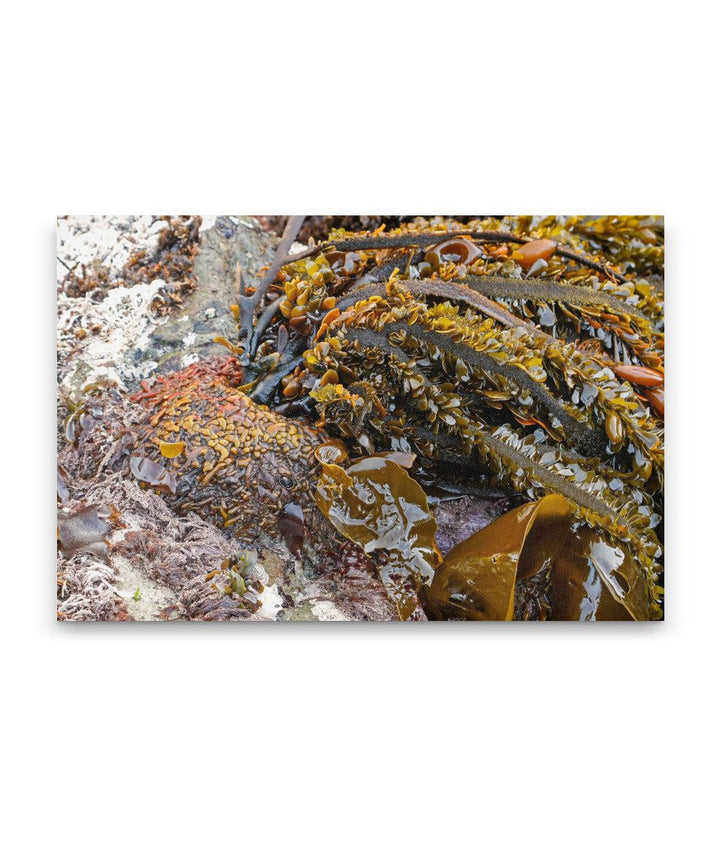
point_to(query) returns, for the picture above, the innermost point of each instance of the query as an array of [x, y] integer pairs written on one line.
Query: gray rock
[[190, 330]]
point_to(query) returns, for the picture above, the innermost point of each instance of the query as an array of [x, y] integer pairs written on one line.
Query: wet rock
[[190, 331], [458, 519]]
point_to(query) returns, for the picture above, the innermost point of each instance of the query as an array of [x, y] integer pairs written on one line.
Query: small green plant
[[237, 583], [137, 595]]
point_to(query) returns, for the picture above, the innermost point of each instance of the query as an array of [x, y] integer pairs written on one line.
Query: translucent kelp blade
[[595, 580], [590, 577], [476, 581], [376, 504]]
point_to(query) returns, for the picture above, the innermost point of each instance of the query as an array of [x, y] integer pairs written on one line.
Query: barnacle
[[528, 348]]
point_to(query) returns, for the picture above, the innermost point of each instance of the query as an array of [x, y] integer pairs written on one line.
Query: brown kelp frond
[[504, 287], [557, 307], [424, 239], [578, 398]]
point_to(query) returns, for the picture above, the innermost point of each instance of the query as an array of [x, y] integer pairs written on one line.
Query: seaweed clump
[[529, 350]]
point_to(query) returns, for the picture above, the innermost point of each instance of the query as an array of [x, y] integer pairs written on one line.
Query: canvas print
[[360, 418]]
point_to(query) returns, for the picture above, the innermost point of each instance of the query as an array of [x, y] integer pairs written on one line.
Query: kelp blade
[[376, 504], [595, 580], [590, 577], [476, 581]]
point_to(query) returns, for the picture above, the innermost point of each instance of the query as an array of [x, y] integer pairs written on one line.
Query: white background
[[355, 739]]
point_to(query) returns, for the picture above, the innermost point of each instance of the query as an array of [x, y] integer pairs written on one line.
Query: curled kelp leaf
[[376, 504], [528, 254], [459, 250], [476, 581], [595, 580], [331, 452], [153, 474]]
